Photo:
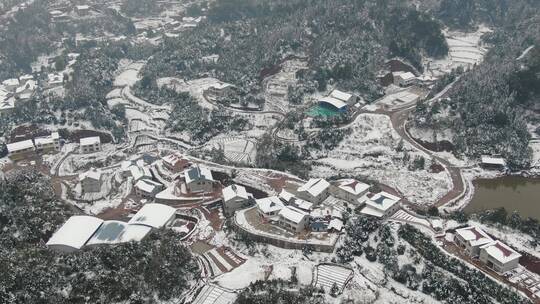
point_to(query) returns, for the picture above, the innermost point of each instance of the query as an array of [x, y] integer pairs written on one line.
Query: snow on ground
[[129, 73], [195, 87], [371, 150]]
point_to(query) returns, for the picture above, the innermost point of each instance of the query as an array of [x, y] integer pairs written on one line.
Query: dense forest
[[159, 267], [490, 107], [345, 41]]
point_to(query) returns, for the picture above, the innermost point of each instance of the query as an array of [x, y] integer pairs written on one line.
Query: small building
[[221, 89], [90, 144], [25, 78], [90, 181], [471, 239], [333, 103], [55, 80], [316, 190], [147, 188], [269, 207], [175, 163], [235, 197], [20, 150], [287, 197], [493, 162], [345, 97], [199, 179], [154, 215], [116, 232], [293, 219], [349, 190], [139, 172], [404, 79], [499, 256], [82, 10], [7, 103], [381, 205], [48, 144], [74, 234], [26, 91], [335, 225], [302, 205], [11, 84]]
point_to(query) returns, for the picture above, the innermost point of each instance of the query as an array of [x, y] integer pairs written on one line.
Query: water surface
[[511, 192]]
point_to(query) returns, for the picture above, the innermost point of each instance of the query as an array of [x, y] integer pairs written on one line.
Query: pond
[[514, 193]]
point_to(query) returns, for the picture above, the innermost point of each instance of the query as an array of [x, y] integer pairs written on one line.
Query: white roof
[[11, 82], [30, 85], [333, 101], [234, 191], [341, 95], [407, 76], [55, 78], [474, 235], [47, 139], [489, 160], [139, 172], [314, 186], [320, 212], [336, 224], [269, 204], [147, 185], [353, 186], [501, 252], [286, 196], [171, 159], [114, 232], [83, 7], [153, 215], [6, 104], [26, 77], [90, 141], [382, 201], [198, 173], [368, 210], [20, 145], [292, 214], [76, 231], [92, 174], [302, 204]]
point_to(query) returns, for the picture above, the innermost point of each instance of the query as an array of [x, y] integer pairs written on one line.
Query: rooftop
[[20, 145], [314, 186], [114, 232], [198, 173], [353, 186], [337, 103], [501, 252], [153, 215], [147, 185], [474, 235], [76, 231], [234, 191], [90, 141], [490, 160], [341, 95], [382, 201], [292, 214], [269, 204], [92, 174]]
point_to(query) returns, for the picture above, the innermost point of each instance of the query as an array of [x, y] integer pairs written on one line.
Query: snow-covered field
[[372, 150]]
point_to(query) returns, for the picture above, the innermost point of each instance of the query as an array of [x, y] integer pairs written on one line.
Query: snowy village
[[235, 182]]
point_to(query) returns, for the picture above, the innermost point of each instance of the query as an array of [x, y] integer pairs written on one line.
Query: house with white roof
[[82, 10], [302, 205], [7, 103], [499, 256], [316, 190], [335, 225], [147, 188], [345, 97], [493, 162], [349, 190], [139, 172], [235, 197], [154, 215], [293, 219], [199, 179], [117, 232], [333, 103], [48, 144], [25, 91], [286, 196], [90, 181], [11, 84], [90, 144], [55, 80], [269, 207], [381, 205], [21, 149], [25, 78], [471, 239], [74, 234], [175, 163], [404, 79]]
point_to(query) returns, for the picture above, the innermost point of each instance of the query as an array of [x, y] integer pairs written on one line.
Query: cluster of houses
[[338, 100], [306, 209], [493, 253], [28, 148], [86, 231]]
